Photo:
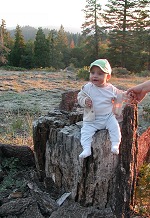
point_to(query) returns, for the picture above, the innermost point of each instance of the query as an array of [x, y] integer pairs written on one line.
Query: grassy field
[[24, 96]]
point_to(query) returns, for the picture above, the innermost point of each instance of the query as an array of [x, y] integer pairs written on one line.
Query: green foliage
[[76, 57], [41, 49], [10, 168], [26, 109], [128, 33], [70, 68], [62, 51], [49, 69], [4, 38], [124, 31], [20, 126], [143, 190], [120, 71], [144, 73], [17, 124], [91, 27], [18, 49], [12, 68], [27, 57], [83, 74], [146, 112]]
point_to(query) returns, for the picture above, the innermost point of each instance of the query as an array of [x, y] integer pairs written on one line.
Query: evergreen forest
[[120, 32]]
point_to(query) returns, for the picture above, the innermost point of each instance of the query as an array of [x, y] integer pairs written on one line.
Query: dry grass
[[17, 108], [36, 80], [128, 82], [22, 81]]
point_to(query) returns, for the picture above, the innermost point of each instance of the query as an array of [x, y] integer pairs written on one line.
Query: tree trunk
[[103, 180]]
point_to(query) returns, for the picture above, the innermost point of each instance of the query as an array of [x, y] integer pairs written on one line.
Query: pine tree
[[62, 47], [123, 18], [118, 16], [4, 42], [141, 35], [17, 51], [41, 49], [91, 26], [27, 58], [53, 53]]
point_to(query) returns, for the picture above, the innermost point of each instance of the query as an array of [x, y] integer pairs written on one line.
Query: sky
[[43, 13]]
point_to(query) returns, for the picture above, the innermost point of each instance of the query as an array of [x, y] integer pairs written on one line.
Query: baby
[[100, 100]]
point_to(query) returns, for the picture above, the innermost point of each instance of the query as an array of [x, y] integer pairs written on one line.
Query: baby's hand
[[88, 102]]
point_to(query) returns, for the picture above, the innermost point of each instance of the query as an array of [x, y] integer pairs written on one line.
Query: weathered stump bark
[[102, 180], [127, 168], [144, 149], [69, 100]]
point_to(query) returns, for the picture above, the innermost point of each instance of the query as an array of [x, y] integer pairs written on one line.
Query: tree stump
[[102, 180], [69, 100]]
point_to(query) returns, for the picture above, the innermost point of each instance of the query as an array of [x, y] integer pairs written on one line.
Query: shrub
[[83, 73], [49, 69], [143, 190], [70, 68], [144, 73], [11, 68], [10, 167], [119, 72], [146, 112]]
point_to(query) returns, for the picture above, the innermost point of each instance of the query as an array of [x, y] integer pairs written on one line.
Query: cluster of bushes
[[11, 68], [120, 72], [144, 73], [83, 73]]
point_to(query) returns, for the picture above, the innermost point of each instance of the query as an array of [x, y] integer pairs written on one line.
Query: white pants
[[101, 122]]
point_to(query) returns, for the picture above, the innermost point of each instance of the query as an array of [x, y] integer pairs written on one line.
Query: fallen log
[[23, 153]]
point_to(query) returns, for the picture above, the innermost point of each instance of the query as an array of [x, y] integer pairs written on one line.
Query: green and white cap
[[103, 64]]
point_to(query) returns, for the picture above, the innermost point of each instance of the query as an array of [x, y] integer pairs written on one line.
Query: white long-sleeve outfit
[[101, 115]]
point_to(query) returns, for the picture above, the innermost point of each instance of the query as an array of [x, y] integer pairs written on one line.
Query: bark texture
[[103, 180], [144, 148]]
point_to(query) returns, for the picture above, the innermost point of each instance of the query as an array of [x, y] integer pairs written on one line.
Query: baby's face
[[98, 77]]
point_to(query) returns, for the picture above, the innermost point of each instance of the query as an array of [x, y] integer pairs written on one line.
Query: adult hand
[[140, 90], [138, 94]]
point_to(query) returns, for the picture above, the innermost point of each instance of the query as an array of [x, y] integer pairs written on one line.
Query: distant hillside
[[29, 32]]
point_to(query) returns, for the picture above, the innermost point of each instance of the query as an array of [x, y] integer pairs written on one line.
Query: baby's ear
[[108, 76]]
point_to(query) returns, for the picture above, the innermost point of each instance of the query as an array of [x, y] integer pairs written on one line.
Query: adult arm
[[140, 90]]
